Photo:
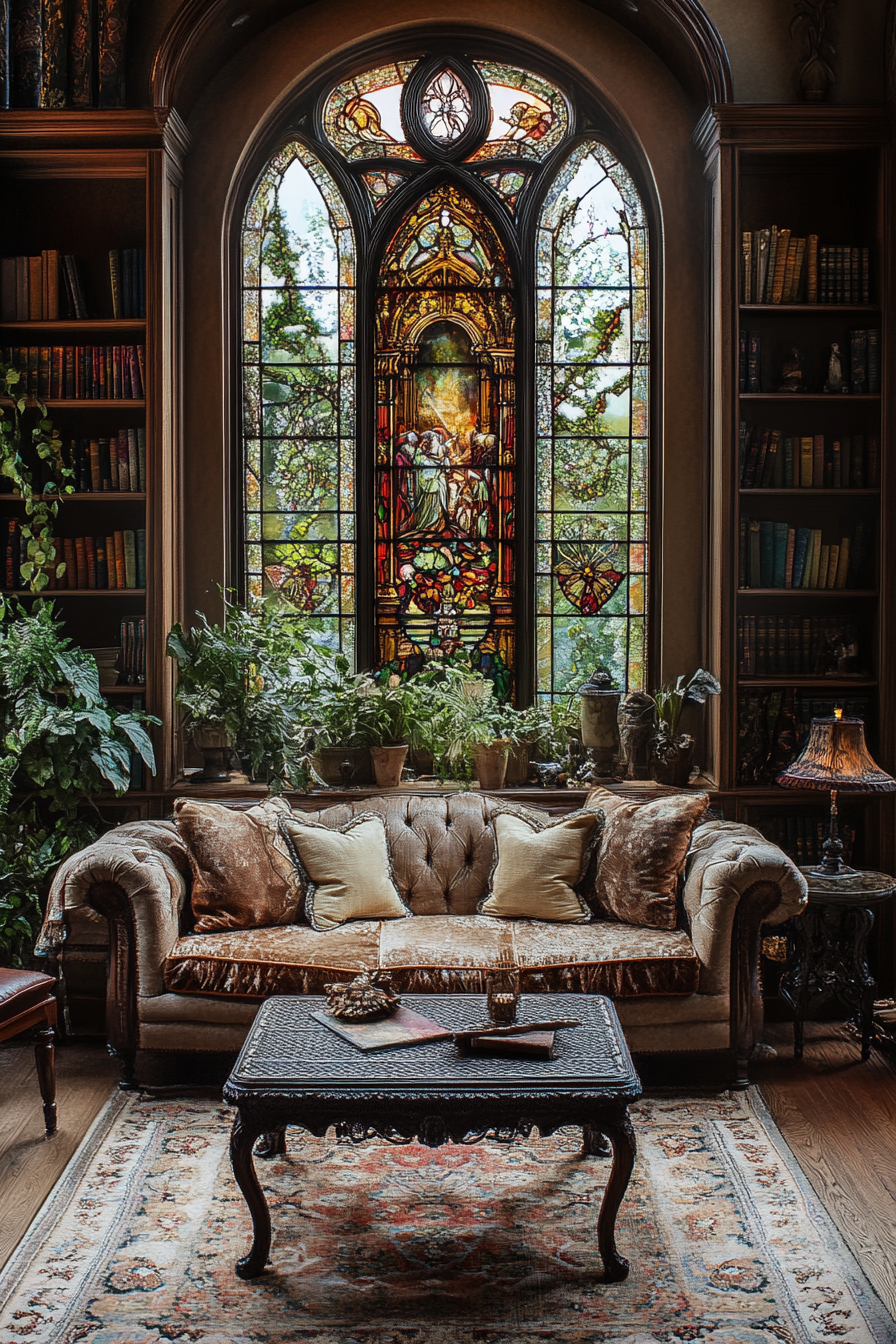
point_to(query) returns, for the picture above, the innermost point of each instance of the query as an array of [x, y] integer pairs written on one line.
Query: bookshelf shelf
[[125, 593], [807, 492], [807, 683], [89, 496], [106, 324], [831, 398], [807, 592], [86, 404], [806, 309]]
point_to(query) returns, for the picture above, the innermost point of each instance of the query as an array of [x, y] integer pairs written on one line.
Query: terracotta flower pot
[[388, 763], [490, 764]]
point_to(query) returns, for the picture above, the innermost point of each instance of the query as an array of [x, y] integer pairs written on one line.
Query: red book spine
[[116, 373], [71, 564], [141, 371], [124, 461], [90, 551], [57, 371], [69, 386], [120, 576], [81, 562], [111, 568], [112, 27], [81, 54]]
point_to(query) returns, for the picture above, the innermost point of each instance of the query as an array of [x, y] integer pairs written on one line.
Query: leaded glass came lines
[[591, 414], [298, 392]]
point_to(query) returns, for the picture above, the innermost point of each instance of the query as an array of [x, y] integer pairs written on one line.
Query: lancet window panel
[[299, 393], [591, 426]]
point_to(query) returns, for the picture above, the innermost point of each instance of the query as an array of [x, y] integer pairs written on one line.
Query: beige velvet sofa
[[693, 988]]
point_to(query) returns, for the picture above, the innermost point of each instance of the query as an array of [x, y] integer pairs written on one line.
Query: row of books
[[114, 561], [815, 646], [81, 372], [773, 459], [802, 834], [51, 286], [777, 267], [132, 659], [864, 365], [773, 725], [117, 463], [775, 555], [63, 53]]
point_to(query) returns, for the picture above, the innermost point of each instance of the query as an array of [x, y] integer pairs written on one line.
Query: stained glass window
[[591, 414], [298, 392], [429, 170], [445, 441]]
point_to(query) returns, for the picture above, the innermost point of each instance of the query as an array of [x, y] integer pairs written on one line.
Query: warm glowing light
[[838, 713]]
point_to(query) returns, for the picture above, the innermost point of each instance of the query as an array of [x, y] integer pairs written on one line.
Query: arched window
[[489, 505]]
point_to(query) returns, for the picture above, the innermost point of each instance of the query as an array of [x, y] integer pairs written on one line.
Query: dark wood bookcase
[[824, 171], [83, 182]]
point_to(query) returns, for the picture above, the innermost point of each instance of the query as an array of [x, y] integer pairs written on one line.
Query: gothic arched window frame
[[588, 123]]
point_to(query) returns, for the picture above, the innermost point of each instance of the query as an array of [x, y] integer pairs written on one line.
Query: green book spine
[[130, 560], [800, 548], [780, 555], [766, 554]]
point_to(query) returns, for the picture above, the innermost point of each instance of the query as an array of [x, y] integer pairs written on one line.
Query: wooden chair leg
[[45, 1058]]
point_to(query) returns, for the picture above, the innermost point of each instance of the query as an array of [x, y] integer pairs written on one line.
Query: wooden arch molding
[[205, 34]]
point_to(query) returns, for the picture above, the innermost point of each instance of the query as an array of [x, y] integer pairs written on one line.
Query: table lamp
[[835, 757]]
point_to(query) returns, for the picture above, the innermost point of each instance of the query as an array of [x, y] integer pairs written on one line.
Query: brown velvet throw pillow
[[641, 856], [243, 875]]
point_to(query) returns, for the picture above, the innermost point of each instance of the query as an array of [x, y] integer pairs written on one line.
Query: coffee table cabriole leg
[[622, 1138], [242, 1141]]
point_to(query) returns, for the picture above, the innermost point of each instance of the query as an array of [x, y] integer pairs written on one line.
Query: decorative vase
[[517, 765], [328, 762], [215, 746], [599, 708], [388, 763], [490, 763], [671, 762]]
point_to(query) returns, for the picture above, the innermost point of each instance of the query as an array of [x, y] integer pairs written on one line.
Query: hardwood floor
[[837, 1114], [839, 1119]]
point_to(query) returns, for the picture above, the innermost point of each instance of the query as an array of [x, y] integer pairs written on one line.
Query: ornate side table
[[828, 952]]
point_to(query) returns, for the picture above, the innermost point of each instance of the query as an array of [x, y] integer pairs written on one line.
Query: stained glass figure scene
[[507, 184], [380, 184], [298, 393], [591, 414], [445, 442], [362, 114], [529, 117], [445, 106]]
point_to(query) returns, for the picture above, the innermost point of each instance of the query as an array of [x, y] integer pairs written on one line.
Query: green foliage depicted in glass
[[298, 391], [591, 420]]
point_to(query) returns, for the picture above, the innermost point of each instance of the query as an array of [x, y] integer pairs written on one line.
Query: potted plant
[[393, 713], [63, 746], [249, 686], [548, 728], [673, 751], [466, 728]]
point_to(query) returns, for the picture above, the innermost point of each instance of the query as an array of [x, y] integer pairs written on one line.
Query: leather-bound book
[[5, 67], [54, 74], [71, 564], [81, 562], [141, 457], [102, 572], [812, 268], [129, 550], [780, 265], [35, 289], [124, 466], [120, 573], [27, 42], [140, 537], [133, 459], [113, 29], [81, 53], [90, 552]]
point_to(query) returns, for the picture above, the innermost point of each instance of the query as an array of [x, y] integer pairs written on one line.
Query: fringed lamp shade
[[835, 757]]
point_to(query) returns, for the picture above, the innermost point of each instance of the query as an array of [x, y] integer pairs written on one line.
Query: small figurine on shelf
[[835, 381], [792, 372]]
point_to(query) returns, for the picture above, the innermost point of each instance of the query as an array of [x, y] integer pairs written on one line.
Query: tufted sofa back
[[442, 847]]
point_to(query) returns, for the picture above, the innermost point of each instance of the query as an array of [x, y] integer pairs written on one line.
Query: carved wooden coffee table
[[294, 1071]]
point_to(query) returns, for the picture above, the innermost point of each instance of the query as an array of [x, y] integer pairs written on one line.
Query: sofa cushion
[[641, 856], [442, 847], [537, 868], [346, 872], [243, 876], [437, 954], [260, 962]]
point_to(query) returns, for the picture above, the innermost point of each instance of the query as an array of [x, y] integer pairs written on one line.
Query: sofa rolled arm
[[137, 878], [735, 882]]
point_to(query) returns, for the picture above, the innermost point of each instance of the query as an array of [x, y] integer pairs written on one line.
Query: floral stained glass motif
[[380, 185], [529, 116], [592, 430], [445, 442], [445, 106], [362, 115], [507, 184], [298, 392]]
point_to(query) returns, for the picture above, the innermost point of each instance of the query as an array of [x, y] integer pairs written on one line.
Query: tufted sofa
[[691, 988]]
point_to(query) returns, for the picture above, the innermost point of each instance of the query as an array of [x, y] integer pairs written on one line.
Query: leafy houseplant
[[673, 750], [394, 713], [63, 745], [251, 682]]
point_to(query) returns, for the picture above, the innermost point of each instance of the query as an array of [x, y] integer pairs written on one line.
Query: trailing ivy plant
[[26, 422], [62, 746]]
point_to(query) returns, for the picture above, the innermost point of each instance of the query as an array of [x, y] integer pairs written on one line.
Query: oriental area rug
[[492, 1243]]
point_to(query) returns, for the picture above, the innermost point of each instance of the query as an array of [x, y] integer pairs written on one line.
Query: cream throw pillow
[[536, 869], [347, 871]]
